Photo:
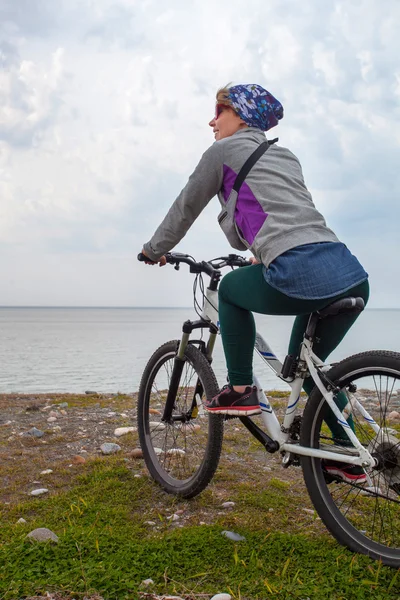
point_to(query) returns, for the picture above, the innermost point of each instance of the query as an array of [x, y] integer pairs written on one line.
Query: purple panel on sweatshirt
[[249, 215], [228, 181]]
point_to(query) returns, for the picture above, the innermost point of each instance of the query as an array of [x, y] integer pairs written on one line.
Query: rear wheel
[[365, 518], [182, 454]]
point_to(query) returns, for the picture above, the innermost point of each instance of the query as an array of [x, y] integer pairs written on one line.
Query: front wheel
[[365, 518], [182, 453]]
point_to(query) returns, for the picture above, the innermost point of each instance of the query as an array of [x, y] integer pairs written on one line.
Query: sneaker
[[239, 404], [344, 471]]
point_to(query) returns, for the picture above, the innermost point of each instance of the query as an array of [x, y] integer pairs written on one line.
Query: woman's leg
[[244, 291], [328, 335], [241, 292]]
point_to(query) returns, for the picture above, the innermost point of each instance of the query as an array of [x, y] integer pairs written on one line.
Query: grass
[[107, 548], [99, 511]]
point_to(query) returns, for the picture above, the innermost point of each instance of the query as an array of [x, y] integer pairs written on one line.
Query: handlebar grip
[[143, 258]]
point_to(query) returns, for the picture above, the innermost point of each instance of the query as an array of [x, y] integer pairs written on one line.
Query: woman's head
[[242, 106]]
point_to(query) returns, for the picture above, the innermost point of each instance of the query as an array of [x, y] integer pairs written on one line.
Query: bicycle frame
[[356, 455]]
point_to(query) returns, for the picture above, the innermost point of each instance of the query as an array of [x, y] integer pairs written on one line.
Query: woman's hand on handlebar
[[161, 261], [254, 260]]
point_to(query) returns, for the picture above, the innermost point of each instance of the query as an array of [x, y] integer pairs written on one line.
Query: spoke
[[182, 446]]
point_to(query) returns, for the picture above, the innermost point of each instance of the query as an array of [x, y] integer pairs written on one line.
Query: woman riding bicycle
[[300, 266]]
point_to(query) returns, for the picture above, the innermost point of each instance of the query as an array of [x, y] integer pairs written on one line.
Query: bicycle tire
[[182, 458], [365, 518]]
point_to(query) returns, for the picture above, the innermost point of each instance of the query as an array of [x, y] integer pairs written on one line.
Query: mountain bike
[[182, 442]]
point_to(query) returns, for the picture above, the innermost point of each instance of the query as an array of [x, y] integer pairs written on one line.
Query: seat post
[[311, 326]]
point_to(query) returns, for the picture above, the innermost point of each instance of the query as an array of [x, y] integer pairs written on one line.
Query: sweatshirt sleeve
[[203, 184]]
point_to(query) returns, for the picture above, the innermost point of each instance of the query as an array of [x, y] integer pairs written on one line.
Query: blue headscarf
[[255, 106]]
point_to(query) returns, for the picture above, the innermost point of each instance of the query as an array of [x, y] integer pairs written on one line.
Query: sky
[[104, 111]]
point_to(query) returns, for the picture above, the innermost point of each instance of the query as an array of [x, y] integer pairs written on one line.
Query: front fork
[[179, 363]]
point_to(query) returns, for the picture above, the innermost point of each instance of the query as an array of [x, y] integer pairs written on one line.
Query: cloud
[[103, 115], [29, 98]]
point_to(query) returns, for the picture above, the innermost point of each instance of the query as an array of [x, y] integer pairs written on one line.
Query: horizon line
[[140, 307], [84, 306]]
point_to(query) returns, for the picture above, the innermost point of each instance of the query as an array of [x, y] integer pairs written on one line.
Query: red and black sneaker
[[238, 404], [344, 471]]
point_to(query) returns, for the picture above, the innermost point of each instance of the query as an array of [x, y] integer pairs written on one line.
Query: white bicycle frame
[[356, 455]]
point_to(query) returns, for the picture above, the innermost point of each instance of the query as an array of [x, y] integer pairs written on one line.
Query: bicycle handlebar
[[175, 258]]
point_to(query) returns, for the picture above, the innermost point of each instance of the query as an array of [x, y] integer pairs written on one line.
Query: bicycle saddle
[[344, 305]]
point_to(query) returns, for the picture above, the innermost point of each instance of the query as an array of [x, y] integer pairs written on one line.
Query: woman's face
[[225, 122]]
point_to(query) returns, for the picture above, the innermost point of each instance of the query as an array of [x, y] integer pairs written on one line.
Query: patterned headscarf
[[255, 106]]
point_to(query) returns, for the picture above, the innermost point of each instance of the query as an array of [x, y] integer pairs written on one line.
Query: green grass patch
[[106, 547]]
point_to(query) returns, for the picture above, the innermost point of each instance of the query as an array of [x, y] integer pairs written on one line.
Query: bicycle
[[181, 442]]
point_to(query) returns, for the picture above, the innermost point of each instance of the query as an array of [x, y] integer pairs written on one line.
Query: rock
[[370, 491], [63, 405], [124, 430], [270, 510], [174, 517], [390, 431], [34, 432], [57, 428], [124, 415], [53, 413], [147, 582], [6, 424], [109, 448], [235, 537], [190, 427], [154, 411], [51, 419], [136, 453], [228, 504], [152, 523], [46, 472], [157, 425], [222, 597], [32, 408], [46, 408], [21, 521], [90, 393], [309, 511], [78, 460], [42, 534], [63, 412], [137, 476], [39, 492], [394, 415]]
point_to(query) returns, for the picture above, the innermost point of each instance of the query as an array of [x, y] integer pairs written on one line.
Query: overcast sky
[[104, 111]]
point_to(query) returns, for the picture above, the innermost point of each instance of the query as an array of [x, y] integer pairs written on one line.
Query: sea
[[45, 350]]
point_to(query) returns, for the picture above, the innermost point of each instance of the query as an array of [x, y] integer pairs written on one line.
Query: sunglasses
[[218, 109]]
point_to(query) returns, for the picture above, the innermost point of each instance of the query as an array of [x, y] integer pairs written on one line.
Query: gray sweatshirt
[[274, 210]]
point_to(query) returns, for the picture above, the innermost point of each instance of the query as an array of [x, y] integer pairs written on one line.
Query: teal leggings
[[244, 291]]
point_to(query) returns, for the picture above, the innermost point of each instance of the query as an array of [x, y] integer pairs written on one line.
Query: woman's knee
[[226, 290]]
